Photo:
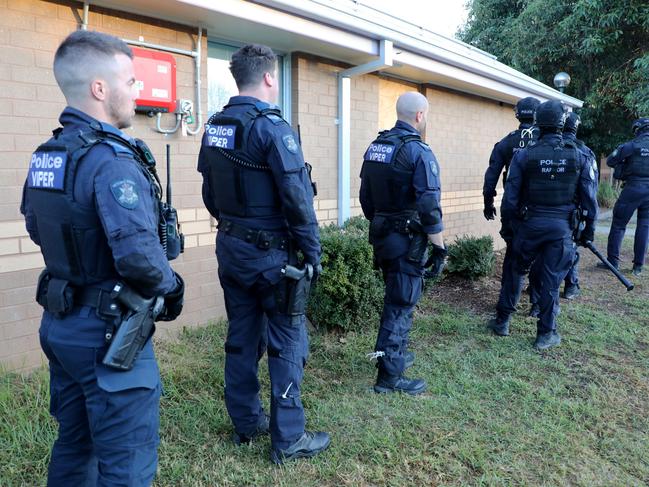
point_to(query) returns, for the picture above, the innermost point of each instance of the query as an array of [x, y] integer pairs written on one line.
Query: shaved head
[[412, 108], [83, 57]]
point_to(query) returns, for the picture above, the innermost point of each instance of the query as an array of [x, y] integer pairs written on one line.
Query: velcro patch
[[380, 153], [220, 136], [47, 170], [125, 192]]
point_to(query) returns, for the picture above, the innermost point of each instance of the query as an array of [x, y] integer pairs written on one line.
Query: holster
[[418, 244], [292, 291]]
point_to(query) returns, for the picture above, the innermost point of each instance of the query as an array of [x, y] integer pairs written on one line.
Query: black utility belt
[[263, 239], [58, 296]]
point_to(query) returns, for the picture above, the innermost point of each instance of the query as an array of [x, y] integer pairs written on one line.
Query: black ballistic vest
[[241, 187], [389, 178], [637, 165], [73, 241], [551, 174]]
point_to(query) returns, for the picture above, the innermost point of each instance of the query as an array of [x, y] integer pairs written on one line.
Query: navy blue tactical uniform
[[631, 163], [546, 183], [92, 208], [499, 163], [571, 281], [256, 185], [400, 195]]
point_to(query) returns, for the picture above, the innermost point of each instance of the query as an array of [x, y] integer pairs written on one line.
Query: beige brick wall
[[30, 102]]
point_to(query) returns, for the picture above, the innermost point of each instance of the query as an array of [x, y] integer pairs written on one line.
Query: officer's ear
[[99, 89]]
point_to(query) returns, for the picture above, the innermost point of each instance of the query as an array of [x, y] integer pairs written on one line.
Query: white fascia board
[[443, 49], [449, 76]]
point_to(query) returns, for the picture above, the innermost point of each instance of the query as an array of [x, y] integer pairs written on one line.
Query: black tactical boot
[[535, 311], [571, 292], [309, 445], [547, 340], [499, 326], [637, 269], [386, 384], [263, 426]]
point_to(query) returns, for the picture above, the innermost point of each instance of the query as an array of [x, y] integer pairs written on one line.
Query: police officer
[[92, 205], [571, 282], [631, 163], [256, 184], [547, 181], [499, 162], [400, 195]]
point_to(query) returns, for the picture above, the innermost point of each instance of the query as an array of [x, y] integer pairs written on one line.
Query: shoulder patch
[[222, 136], [47, 170], [433, 167], [290, 144], [125, 193]]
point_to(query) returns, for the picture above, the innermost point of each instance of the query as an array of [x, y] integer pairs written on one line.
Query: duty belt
[[263, 239]]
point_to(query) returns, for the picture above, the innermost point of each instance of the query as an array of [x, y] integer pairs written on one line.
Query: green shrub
[[349, 293], [471, 257], [607, 194]]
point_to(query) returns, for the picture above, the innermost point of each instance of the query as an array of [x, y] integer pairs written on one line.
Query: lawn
[[496, 411]]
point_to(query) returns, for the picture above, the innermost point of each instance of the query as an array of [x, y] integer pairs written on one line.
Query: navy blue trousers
[[108, 420], [634, 196], [403, 288], [546, 242], [248, 276]]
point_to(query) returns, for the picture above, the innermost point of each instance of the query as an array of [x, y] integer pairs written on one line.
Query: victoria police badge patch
[[289, 142], [433, 167], [125, 193]]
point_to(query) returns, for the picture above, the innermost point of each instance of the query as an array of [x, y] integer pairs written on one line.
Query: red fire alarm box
[[155, 74]]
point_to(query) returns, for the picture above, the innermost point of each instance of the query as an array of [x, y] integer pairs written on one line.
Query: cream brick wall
[[30, 102]]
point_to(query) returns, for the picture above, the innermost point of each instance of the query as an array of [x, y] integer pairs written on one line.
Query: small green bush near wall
[[471, 257], [349, 293], [607, 194]]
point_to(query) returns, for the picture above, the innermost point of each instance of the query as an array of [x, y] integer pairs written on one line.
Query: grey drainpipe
[[344, 123]]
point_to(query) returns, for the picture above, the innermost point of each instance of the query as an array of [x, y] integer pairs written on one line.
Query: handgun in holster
[[135, 329], [418, 242], [292, 292]]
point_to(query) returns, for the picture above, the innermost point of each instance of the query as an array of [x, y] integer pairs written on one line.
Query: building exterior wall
[[461, 131]]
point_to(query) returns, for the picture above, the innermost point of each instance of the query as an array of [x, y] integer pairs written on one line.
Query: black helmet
[[572, 123], [640, 124], [526, 107], [550, 115]]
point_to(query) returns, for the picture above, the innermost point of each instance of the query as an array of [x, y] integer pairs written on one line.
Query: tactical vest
[[637, 165], [73, 241], [240, 186], [518, 140], [551, 174], [390, 183]]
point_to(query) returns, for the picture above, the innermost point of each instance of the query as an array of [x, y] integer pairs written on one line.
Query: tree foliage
[[602, 44]]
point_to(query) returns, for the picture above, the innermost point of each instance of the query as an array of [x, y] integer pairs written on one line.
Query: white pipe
[[344, 123], [158, 116], [199, 109], [86, 8]]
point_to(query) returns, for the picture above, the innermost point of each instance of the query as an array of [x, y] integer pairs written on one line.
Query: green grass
[[496, 412]]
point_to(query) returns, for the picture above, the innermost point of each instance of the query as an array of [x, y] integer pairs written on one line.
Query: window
[[221, 85]]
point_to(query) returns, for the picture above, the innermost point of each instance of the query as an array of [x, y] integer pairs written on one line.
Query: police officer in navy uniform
[[92, 207], [546, 184], [631, 164], [256, 184], [571, 288], [400, 195], [501, 157]]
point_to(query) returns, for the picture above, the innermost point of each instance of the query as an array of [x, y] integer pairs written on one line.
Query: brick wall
[[30, 102]]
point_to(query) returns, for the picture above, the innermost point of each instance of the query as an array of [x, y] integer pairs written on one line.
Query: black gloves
[[587, 234], [436, 261], [173, 302], [489, 208]]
